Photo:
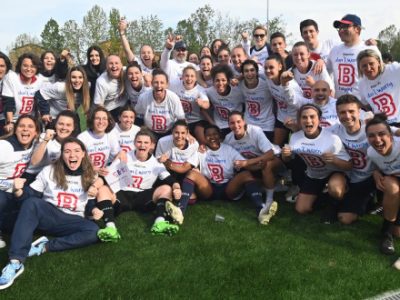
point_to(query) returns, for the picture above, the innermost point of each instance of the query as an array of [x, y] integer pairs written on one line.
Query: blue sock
[[187, 191], [254, 192]]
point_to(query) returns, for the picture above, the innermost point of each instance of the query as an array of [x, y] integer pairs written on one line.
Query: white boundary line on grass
[[390, 295]]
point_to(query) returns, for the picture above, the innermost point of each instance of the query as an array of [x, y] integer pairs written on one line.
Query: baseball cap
[[180, 45], [348, 19]]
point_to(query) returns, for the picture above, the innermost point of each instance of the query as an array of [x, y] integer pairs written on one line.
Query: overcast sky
[[21, 16]]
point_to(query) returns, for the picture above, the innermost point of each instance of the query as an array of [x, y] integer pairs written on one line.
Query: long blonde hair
[[69, 90]]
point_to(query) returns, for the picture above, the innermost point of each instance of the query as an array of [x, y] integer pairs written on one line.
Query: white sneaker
[[267, 213]]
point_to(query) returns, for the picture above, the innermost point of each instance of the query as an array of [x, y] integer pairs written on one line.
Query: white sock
[[159, 219], [110, 224], [15, 261]]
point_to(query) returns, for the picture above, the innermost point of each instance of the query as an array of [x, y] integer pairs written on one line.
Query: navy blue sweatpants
[[70, 231]]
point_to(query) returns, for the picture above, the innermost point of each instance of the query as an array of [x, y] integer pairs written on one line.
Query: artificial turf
[[294, 257]]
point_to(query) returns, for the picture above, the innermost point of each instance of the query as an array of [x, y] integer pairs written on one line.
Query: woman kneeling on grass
[[384, 152], [326, 159], [55, 203], [217, 178]]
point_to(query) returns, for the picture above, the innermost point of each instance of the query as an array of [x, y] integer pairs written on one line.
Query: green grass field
[[292, 258]]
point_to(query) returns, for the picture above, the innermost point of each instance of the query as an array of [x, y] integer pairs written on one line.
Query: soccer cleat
[[267, 213], [38, 246], [387, 245], [174, 212], [10, 273], [164, 227], [109, 234], [291, 194]]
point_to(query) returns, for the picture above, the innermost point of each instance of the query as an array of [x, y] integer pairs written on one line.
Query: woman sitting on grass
[[326, 160], [55, 203], [217, 178]]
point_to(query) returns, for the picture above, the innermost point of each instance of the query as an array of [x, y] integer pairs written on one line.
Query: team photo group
[[82, 144]]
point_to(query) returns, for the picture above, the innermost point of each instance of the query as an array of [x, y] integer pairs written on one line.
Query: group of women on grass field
[[224, 127]]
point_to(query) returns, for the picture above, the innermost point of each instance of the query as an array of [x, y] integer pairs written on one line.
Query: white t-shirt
[[188, 100], [383, 93], [23, 94], [342, 63], [329, 115], [356, 145], [159, 117], [13, 162], [288, 98], [218, 165], [172, 67], [126, 139], [258, 105], [311, 150], [71, 201], [223, 105], [108, 92], [52, 153], [389, 164], [132, 94], [189, 154], [144, 173], [101, 150], [324, 48], [301, 79], [253, 144]]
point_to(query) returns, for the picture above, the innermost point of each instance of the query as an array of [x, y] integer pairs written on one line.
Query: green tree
[[73, 40], [51, 36], [147, 30], [114, 41], [95, 26], [389, 41]]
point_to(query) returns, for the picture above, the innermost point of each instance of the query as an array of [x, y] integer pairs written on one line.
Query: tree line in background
[[199, 29]]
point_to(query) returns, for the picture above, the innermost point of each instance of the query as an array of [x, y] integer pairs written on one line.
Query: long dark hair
[[88, 175]]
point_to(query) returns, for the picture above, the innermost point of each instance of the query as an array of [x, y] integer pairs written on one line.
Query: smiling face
[[72, 155], [49, 61], [160, 85], [249, 72], [213, 139], [301, 57], [349, 116], [143, 145], [380, 139], [223, 57], [189, 78], [205, 51], [100, 123], [180, 55], [348, 33], [76, 80], [135, 77], [114, 66], [193, 58], [309, 121], [320, 92], [260, 38], [180, 134], [238, 57], [26, 132], [94, 57], [205, 67], [310, 36], [272, 69], [237, 125], [126, 119], [221, 83], [64, 127], [370, 67], [147, 55], [28, 69]]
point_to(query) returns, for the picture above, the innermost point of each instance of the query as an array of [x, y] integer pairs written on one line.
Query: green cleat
[[174, 212], [164, 227], [109, 234], [266, 214]]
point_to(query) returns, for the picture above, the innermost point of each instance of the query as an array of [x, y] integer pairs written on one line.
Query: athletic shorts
[[140, 201], [356, 199]]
